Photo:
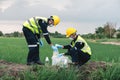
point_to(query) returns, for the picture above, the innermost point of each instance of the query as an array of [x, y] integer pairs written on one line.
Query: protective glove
[[59, 55], [41, 42], [54, 48], [59, 46]]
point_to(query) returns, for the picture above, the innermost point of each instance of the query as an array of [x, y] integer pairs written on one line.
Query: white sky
[[84, 15]]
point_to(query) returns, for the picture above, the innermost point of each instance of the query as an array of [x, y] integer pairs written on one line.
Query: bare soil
[[114, 43], [14, 69], [10, 68]]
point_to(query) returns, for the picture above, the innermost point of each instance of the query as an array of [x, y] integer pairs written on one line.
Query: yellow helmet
[[70, 31], [56, 19]]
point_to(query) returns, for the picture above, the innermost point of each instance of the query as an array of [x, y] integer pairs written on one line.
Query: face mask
[[70, 38], [51, 25]]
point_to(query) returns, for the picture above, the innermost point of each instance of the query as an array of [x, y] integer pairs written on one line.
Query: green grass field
[[15, 50]]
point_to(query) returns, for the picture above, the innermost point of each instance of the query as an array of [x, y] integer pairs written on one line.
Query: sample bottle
[[47, 62]]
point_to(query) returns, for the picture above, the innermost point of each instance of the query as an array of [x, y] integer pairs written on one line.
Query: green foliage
[[48, 73], [105, 52], [89, 36], [107, 31], [1, 34], [118, 35], [15, 50], [99, 30], [57, 35], [14, 34], [111, 73]]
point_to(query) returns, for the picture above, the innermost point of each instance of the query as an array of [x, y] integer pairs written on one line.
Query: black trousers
[[78, 56], [32, 41]]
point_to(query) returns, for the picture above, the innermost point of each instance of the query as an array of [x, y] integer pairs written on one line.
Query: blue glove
[[59, 46], [59, 55], [41, 42], [54, 48]]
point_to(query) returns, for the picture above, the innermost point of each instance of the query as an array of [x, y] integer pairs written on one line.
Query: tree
[[100, 32], [109, 29], [118, 29], [16, 34], [57, 35], [118, 35], [1, 34]]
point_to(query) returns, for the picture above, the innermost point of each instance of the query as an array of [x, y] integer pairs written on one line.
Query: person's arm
[[66, 46], [43, 26], [79, 45]]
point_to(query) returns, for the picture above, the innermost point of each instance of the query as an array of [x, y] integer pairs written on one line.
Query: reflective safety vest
[[86, 48], [33, 25]]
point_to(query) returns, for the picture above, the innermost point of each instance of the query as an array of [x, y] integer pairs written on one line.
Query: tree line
[[20, 34], [14, 34], [106, 31]]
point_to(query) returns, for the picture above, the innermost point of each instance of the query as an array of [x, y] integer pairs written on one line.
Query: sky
[[84, 15]]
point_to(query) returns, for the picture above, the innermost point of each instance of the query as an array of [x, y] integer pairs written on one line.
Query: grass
[[108, 40], [105, 52], [112, 73], [15, 50], [50, 73]]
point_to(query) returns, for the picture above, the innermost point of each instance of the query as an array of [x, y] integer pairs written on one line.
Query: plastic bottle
[[47, 62]]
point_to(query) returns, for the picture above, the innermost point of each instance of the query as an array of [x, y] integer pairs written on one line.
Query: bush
[[118, 35], [1, 34]]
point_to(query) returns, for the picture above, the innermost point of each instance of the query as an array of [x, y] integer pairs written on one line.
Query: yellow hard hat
[[70, 31], [56, 19]]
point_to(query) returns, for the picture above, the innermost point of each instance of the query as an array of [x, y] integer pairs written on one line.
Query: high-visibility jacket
[[86, 48], [33, 25]]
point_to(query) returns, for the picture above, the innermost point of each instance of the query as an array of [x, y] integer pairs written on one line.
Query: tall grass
[[111, 73], [49, 73], [15, 50]]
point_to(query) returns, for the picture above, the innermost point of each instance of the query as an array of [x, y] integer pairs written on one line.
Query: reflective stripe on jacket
[[33, 24], [86, 47]]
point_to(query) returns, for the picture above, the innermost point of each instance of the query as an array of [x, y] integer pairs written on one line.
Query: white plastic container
[[47, 61], [59, 60], [54, 58]]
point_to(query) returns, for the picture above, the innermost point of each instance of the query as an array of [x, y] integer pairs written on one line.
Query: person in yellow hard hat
[[78, 49], [32, 29]]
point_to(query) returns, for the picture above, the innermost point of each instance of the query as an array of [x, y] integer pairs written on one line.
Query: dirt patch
[[10, 68], [113, 43], [13, 69]]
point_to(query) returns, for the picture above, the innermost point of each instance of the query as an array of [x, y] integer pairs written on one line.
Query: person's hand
[[59, 46], [54, 48], [41, 42], [59, 55]]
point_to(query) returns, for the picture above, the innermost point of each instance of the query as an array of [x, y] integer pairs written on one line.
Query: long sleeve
[[67, 46], [44, 26]]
